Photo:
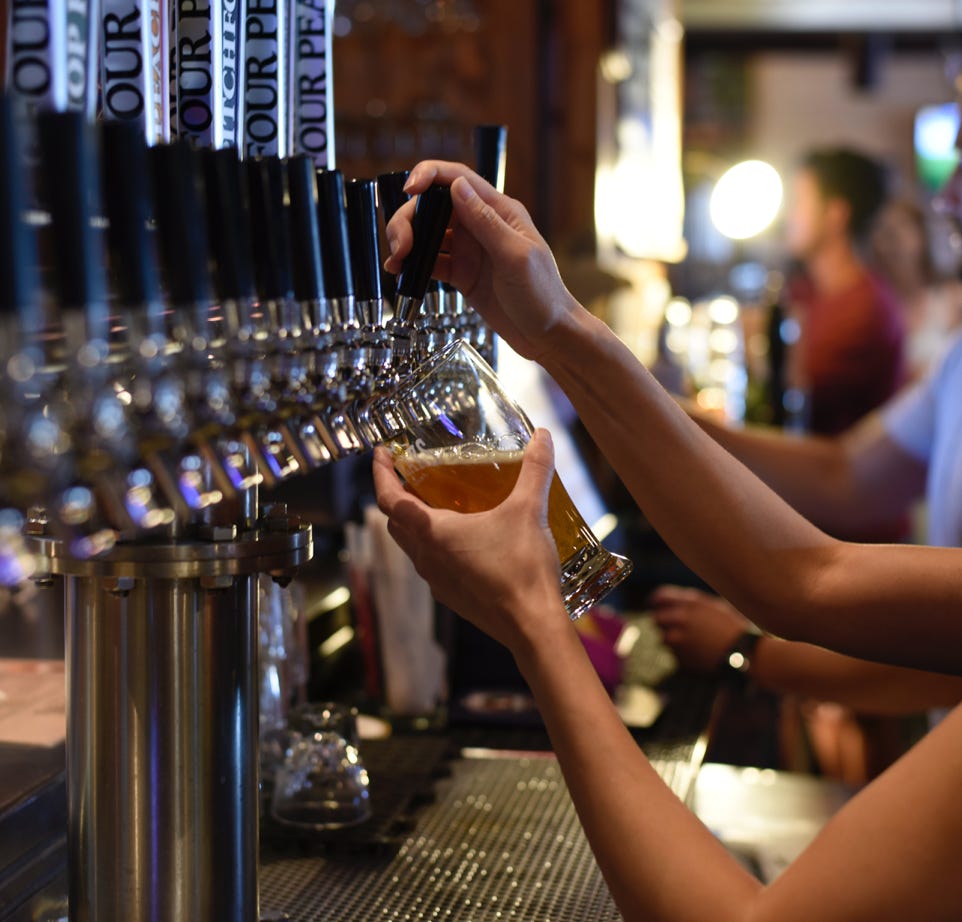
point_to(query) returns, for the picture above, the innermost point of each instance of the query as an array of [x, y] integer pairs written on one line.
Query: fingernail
[[412, 176], [464, 190], [392, 243]]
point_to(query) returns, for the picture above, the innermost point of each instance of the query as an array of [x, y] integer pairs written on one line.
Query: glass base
[[589, 576], [322, 817]]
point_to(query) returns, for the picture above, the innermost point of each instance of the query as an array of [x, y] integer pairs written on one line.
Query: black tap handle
[[362, 231], [127, 202], [69, 163], [228, 224], [304, 229], [431, 217], [391, 196], [335, 246], [490, 152], [271, 235], [19, 282], [390, 192], [181, 222]]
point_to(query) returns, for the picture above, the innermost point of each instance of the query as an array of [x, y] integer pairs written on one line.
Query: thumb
[[537, 471]]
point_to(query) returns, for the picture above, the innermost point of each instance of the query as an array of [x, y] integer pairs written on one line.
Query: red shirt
[[849, 356]]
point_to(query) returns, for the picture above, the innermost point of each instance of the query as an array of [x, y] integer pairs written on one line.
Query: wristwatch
[[737, 661]]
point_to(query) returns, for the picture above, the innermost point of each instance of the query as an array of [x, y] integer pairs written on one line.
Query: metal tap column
[[162, 722]]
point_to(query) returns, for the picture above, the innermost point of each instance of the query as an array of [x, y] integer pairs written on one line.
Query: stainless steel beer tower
[[138, 428], [162, 730]]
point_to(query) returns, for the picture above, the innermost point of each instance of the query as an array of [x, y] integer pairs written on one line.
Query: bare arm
[[660, 863], [848, 484], [702, 628], [866, 864], [776, 567], [773, 565], [866, 687]]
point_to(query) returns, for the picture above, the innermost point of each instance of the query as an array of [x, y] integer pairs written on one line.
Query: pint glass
[[458, 444]]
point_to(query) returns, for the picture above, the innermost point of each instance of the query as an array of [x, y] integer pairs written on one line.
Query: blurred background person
[[931, 299], [856, 482], [849, 356], [909, 449]]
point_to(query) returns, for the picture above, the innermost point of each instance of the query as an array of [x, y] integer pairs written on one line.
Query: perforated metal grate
[[403, 774], [501, 842]]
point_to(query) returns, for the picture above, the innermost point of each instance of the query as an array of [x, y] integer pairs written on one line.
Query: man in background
[[855, 481], [859, 471], [848, 359]]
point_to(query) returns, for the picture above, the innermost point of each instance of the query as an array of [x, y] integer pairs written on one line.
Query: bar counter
[[499, 840], [472, 834], [456, 834], [470, 821]]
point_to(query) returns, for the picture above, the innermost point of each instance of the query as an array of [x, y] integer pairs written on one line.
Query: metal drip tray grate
[[501, 841]]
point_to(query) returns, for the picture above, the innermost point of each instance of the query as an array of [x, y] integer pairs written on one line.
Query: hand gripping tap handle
[[127, 202], [71, 188], [431, 217], [19, 282]]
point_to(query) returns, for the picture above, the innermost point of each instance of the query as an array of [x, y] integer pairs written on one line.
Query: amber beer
[[477, 480]]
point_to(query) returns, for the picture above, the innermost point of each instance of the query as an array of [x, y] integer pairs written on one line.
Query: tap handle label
[[311, 111], [265, 79]]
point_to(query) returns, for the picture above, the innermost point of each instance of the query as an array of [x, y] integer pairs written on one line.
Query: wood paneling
[[530, 64], [400, 98]]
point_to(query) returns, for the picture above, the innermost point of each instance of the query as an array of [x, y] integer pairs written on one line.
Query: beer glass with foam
[[458, 445]]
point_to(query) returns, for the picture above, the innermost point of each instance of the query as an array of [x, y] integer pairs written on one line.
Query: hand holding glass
[[459, 444]]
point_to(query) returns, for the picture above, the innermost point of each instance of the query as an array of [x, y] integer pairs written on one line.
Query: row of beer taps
[[178, 325]]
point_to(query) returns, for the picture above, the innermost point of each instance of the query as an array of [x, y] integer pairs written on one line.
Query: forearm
[[662, 865], [773, 565], [809, 473], [868, 688], [623, 805], [710, 509]]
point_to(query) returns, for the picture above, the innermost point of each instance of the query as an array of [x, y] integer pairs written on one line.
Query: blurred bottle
[[785, 402], [777, 350]]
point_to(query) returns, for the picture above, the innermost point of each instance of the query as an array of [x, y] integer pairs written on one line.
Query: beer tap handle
[[431, 217], [335, 246], [18, 247], [149, 497], [71, 184], [365, 252], [490, 144], [305, 231], [490, 150], [182, 226], [229, 231], [125, 179], [390, 192], [391, 196], [270, 233]]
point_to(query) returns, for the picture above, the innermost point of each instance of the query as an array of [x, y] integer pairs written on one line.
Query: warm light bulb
[[746, 199], [678, 312]]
